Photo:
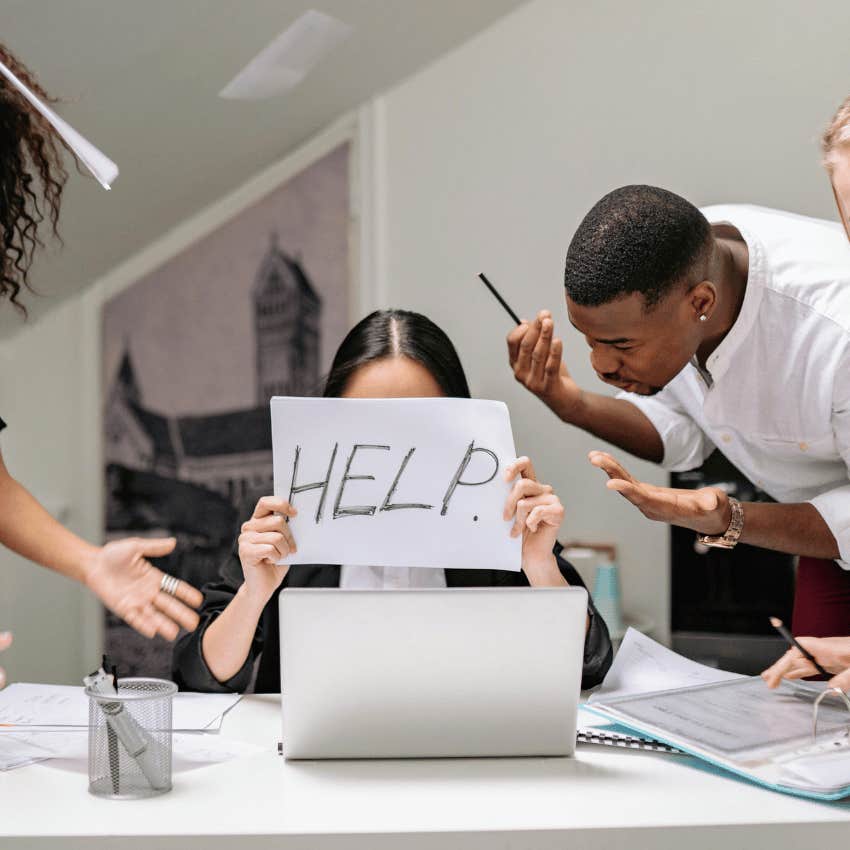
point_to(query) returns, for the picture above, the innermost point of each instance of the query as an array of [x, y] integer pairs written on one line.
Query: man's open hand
[[706, 510]]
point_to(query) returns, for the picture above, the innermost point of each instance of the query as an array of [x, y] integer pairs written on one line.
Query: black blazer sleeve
[[190, 671], [188, 668], [598, 651]]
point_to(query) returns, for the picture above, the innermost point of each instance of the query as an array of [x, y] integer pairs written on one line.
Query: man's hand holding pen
[[534, 353]]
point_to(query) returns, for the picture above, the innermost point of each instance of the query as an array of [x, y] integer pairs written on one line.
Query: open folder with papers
[[734, 722]]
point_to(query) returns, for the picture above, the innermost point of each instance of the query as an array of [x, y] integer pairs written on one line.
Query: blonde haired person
[[836, 159], [832, 653]]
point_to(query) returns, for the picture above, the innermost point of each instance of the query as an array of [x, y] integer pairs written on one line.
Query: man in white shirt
[[735, 335]]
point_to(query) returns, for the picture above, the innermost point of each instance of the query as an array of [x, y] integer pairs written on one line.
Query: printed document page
[[738, 720], [643, 665]]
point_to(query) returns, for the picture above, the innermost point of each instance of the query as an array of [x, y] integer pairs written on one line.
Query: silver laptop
[[424, 673]]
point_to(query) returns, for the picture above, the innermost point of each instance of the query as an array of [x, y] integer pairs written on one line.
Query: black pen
[[111, 737], [499, 298], [792, 641]]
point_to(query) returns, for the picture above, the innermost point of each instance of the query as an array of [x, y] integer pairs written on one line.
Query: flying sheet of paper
[[98, 163], [396, 482], [643, 665], [24, 704]]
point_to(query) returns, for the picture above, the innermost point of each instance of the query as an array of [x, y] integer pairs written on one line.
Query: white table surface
[[602, 798]]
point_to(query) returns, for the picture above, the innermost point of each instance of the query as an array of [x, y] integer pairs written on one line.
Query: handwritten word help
[[404, 482]]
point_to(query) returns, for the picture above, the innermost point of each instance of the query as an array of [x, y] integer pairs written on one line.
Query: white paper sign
[[396, 482]]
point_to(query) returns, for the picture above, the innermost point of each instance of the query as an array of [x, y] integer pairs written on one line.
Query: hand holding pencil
[[534, 353], [831, 653]]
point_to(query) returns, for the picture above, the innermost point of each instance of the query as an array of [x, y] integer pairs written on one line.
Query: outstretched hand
[[706, 510], [129, 585]]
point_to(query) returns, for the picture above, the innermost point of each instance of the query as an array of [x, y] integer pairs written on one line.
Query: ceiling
[[140, 80]]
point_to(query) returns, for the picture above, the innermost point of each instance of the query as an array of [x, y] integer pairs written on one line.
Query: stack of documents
[[39, 722], [734, 722]]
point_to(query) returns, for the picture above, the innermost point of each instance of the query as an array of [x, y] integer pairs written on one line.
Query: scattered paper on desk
[[69, 749], [19, 750], [24, 704], [193, 750], [196, 712], [643, 665]]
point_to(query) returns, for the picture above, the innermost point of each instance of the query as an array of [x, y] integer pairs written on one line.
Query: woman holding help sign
[[389, 354]]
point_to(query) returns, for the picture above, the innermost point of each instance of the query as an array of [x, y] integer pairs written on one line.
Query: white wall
[[485, 161], [51, 399], [495, 153], [44, 446]]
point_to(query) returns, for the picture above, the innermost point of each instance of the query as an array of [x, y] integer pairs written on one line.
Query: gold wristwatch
[[729, 539]]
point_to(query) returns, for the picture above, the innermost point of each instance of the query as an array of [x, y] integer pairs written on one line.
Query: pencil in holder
[[130, 739]]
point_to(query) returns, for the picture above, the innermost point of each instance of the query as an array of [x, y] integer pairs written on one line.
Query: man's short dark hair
[[636, 239]]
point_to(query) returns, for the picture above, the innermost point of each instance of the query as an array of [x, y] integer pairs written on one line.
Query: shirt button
[[804, 447], [727, 438]]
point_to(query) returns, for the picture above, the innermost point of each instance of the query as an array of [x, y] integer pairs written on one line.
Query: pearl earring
[[703, 317]]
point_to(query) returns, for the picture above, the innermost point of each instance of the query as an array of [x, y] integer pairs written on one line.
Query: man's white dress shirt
[[778, 402]]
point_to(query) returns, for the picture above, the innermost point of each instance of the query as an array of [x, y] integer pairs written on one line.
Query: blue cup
[[608, 598]]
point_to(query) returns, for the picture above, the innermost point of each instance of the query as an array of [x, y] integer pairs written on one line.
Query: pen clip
[[110, 670]]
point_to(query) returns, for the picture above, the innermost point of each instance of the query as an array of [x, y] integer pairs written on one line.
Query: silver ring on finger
[[168, 584]]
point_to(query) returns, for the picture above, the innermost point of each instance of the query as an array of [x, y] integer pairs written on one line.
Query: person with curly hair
[[32, 179]]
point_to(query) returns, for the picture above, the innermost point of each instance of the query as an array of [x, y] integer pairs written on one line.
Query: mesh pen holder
[[130, 739]]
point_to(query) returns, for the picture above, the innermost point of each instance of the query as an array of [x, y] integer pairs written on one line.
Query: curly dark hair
[[32, 177], [636, 239]]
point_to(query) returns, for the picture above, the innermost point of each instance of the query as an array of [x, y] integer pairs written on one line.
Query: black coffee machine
[[721, 599]]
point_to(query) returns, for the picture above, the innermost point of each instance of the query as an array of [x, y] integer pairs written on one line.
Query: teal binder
[[678, 718]]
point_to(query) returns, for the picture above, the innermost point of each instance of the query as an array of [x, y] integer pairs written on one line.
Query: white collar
[[757, 274]]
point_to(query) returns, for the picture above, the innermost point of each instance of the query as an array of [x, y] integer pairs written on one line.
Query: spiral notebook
[[609, 737]]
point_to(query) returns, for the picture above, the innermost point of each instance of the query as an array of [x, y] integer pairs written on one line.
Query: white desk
[[604, 798]]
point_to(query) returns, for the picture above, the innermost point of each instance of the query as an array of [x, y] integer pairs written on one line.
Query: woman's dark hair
[[32, 177], [398, 333]]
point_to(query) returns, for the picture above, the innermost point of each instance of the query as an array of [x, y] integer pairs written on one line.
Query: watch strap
[[729, 539]]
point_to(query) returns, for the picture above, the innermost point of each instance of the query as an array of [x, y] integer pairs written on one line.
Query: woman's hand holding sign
[[537, 513], [266, 538]]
